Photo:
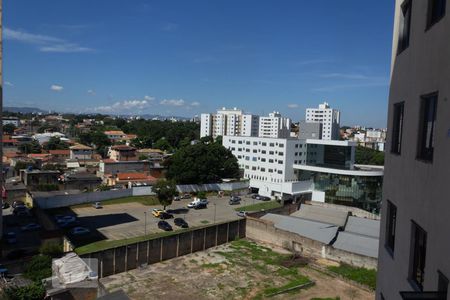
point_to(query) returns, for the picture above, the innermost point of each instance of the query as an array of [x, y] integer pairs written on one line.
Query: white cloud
[[172, 102], [195, 103], [44, 43], [125, 105], [293, 105], [56, 88], [91, 92], [149, 98], [8, 83]]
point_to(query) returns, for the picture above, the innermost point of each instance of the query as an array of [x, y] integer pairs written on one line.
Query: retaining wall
[[124, 258]]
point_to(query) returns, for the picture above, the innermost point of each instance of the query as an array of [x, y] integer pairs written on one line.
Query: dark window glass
[[390, 225], [405, 24], [418, 255], [426, 126], [397, 128], [436, 11]]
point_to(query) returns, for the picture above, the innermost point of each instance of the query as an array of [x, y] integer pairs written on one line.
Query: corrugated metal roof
[[317, 231], [322, 214], [363, 226], [356, 243]]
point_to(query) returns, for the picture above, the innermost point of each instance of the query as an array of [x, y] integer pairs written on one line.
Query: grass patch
[[360, 275], [144, 200], [204, 222], [259, 206], [211, 266], [107, 244], [293, 283]]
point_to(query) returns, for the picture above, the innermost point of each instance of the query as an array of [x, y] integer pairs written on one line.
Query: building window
[[436, 11], [390, 225], [426, 126], [418, 255], [397, 128], [405, 24]]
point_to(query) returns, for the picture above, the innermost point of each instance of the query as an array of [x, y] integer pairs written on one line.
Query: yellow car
[[157, 212]]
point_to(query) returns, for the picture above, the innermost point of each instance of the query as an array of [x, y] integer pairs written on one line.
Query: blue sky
[[187, 57]]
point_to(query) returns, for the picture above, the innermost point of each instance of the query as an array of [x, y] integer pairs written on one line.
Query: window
[[397, 128], [418, 255], [436, 11], [404, 27], [390, 225], [426, 126], [272, 145]]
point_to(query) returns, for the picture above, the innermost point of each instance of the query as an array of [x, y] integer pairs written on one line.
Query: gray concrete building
[[309, 130], [414, 247]]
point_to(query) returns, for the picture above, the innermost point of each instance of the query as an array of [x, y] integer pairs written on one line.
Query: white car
[[79, 231], [97, 205]]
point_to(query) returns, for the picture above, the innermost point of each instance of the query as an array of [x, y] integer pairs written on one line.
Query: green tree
[[38, 268], [367, 156], [9, 128], [20, 165], [32, 147], [165, 191], [97, 139], [55, 143], [163, 144], [202, 163], [34, 291]]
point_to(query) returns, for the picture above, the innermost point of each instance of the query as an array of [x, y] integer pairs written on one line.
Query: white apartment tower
[[274, 126], [328, 117], [414, 250], [233, 122]]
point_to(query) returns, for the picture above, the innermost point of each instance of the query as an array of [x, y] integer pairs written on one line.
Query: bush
[[52, 249], [201, 195], [35, 291], [40, 267]]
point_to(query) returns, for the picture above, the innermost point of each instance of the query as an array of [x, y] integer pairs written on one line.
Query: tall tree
[[165, 191]]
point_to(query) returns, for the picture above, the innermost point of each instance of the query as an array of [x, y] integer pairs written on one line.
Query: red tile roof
[[59, 152], [135, 176]]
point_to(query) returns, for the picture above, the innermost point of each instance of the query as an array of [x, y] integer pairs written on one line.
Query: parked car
[[31, 226], [197, 201], [69, 224], [65, 219], [254, 196], [180, 222], [234, 200], [157, 212], [10, 237], [164, 215], [21, 211], [97, 205], [80, 231], [17, 203], [5, 205], [176, 198], [164, 226], [200, 205], [262, 198], [186, 196], [242, 214]]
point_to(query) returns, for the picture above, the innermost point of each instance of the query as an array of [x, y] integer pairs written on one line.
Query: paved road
[[121, 221]]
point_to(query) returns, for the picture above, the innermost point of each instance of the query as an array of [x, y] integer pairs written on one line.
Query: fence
[[131, 256]]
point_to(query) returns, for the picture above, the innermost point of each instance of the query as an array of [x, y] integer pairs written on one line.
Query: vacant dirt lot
[[240, 270]]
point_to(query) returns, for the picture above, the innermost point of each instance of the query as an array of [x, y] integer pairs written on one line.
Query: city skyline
[[184, 58]]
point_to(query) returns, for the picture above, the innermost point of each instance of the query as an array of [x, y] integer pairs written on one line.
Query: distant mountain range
[[24, 110], [27, 110]]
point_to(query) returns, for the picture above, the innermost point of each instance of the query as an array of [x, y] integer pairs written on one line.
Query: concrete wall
[[264, 231], [134, 255], [231, 186]]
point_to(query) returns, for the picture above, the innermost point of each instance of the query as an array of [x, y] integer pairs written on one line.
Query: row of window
[[436, 11], [240, 142], [418, 249], [427, 120]]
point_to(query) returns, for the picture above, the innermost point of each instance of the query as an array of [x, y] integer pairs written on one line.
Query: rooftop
[[322, 214], [80, 147]]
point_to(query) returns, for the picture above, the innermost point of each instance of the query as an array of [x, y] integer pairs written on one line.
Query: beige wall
[[418, 189]]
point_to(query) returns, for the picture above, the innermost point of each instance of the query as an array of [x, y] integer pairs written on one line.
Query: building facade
[[328, 117], [274, 126], [415, 241], [319, 170]]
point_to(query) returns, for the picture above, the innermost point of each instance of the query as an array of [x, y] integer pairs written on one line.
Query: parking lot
[[127, 220]]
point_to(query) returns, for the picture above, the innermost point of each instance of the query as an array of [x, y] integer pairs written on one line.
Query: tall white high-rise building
[[233, 122], [328, 117], [274, 126]]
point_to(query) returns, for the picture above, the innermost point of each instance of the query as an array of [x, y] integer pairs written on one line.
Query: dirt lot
[[240, 270]]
